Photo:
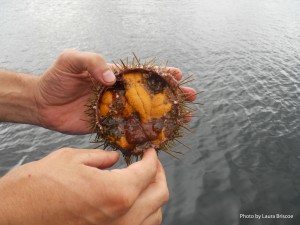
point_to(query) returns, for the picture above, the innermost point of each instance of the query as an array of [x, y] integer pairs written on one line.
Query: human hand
[[69, 186], [63, 90]]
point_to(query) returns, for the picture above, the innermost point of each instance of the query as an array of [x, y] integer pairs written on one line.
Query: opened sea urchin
[[144, 108]]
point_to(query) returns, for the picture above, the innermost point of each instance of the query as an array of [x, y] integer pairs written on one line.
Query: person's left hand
[[63, 91]]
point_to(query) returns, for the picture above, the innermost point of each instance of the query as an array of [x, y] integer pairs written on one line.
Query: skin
[[71, 187], [74, 186]]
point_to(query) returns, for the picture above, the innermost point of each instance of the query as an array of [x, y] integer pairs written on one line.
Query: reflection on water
[[244, 54]]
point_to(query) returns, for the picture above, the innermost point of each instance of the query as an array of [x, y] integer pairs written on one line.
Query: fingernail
[[109, 76]]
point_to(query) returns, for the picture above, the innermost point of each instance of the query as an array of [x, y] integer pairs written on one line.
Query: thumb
[[88, 61], [97, 158]]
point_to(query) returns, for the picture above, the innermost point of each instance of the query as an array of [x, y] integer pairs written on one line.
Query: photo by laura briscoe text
[[266, 216]]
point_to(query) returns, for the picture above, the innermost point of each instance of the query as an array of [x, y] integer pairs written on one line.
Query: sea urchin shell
[[144, 108]]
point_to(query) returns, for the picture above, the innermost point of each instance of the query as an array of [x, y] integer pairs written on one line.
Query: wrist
[[17, 99]]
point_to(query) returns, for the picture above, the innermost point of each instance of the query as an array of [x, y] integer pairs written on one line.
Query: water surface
[[246, 57]]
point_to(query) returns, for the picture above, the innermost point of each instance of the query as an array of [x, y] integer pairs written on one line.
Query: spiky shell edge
[[135, 65]]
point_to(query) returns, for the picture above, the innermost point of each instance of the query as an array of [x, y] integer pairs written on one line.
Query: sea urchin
[[144, 108]]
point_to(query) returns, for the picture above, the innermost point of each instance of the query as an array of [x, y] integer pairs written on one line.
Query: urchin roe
[[135, 110]]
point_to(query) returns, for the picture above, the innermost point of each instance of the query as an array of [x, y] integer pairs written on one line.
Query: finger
[[89, 157], [97, 158], [175, 72], [138, 176], [91, 62], [188, 118], [154, 219], [153, 197], [157, 193], [190, 93]]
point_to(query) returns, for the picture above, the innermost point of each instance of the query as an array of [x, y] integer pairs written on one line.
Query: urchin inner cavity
[[133, 117]]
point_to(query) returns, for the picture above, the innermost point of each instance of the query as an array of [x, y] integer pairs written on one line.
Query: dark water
[[245, 55]]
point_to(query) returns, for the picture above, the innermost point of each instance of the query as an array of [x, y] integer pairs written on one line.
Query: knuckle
[[149, 172], [123, 203], [166, 196], [66, 53], [100, 57], [62, 152]]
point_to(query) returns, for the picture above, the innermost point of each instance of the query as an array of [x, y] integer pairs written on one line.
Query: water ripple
[[245, 56]]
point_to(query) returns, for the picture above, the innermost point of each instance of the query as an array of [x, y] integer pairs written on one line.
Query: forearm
[[17, 101], [6, 211], [17, 201]]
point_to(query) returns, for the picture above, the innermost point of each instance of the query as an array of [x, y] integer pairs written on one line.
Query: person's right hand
[[69, 186]]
